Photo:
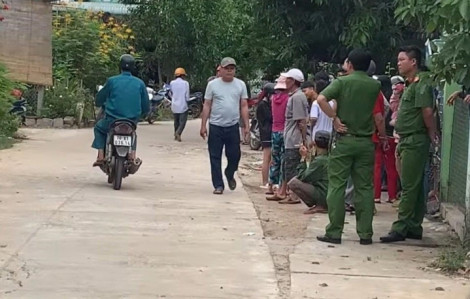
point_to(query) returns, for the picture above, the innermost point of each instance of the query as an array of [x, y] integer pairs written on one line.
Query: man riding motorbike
[[126, 97]]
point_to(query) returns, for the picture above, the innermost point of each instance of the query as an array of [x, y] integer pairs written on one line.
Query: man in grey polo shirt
[[225, 98], [295, 133]]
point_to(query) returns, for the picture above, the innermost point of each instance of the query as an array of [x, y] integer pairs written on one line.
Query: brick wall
[[26, 41]]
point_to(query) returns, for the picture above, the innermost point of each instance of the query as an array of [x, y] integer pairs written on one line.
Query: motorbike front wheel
[[152, 117], [195, 110], [118, 173]]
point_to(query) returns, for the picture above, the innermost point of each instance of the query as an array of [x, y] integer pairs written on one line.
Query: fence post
[[40, 89]]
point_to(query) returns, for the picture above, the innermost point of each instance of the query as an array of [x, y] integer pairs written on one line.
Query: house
[[110, 6], [26, 41]]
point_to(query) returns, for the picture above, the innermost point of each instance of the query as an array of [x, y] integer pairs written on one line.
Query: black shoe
[[413, 236], [329, 240], [232, 184], [392, 237], [365, 241]]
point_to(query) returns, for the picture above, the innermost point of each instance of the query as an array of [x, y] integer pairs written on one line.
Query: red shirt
[[379, 108]]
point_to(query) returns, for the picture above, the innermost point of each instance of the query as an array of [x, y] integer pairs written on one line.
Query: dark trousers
[[180, 122], [218, 138]]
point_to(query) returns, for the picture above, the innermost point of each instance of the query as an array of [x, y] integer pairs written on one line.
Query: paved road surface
[[64, 233]]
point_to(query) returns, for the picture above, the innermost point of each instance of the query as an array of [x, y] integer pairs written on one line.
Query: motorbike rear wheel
[[255, 144], [118, 173]]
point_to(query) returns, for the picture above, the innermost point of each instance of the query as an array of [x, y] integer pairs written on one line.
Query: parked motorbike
[[158, 100], [19, 109], [255, 139], [121, 138], [195, 104]]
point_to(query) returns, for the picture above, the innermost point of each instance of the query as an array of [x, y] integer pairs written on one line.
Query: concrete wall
[[26, 41]]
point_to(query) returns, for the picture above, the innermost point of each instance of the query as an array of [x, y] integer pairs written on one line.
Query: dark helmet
[[268, 88], [127, 62], [322, 139]]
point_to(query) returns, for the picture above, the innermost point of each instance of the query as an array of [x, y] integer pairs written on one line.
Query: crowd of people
[[328, 142]]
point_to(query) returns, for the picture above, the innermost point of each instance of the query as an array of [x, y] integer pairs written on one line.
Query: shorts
[[291, 162], [265, 137]]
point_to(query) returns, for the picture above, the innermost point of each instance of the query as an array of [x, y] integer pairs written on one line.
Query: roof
[[113, 8]]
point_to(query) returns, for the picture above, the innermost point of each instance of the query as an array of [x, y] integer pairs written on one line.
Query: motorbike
[[195, 104], [255, 139], [19, 109], [158, 100], [117, 165]]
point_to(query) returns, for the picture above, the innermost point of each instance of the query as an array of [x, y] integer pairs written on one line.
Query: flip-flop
[[312, 211], [275, 197], [289, 201], [98, 163], [269, 193]]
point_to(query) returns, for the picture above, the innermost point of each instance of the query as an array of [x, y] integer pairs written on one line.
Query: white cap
[[397, 79], [295, 74]]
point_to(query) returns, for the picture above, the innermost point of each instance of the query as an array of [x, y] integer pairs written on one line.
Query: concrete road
[[65, 233]]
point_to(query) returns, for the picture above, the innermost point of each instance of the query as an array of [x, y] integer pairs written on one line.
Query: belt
[[353, 135]]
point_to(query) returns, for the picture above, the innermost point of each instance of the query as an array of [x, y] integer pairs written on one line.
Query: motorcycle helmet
[[268, 88], [127, 63], [180, 72]]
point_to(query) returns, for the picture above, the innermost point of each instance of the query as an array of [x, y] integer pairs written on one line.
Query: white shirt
[[324, 123], [179, 95]]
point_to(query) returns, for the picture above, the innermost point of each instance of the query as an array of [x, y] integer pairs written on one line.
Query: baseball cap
[[397, 79], [227, 61], [295, 74], [281, 83]]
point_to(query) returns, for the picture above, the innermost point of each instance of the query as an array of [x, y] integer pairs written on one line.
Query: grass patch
[[6, 142], [453, 260]]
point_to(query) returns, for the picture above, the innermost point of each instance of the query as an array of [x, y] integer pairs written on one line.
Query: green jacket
[[316, 174], [124, 96]]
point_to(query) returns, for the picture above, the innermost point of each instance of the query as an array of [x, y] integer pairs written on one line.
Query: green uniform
[[413, 150], [124, 97], [316, 174], [352, 154]]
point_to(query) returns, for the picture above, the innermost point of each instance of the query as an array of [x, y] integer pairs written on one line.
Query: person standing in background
[[265, 122], [179, 89], [278, 108], [225, 103]]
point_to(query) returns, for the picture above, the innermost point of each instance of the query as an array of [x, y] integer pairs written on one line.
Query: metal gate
[[459, 155]]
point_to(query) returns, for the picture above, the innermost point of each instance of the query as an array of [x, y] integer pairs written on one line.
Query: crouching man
[[311, 183]]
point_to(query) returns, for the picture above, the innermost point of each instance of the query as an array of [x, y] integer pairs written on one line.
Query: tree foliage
[[191, 34], [8, 123], [451, 19]]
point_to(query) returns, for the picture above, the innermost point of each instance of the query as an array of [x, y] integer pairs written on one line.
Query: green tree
[[307, 32], [450, 19], [8, 123], [192, 34]]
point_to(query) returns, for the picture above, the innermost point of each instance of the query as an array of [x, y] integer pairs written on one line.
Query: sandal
[[377, 200], [289, 201], [98, 163], [275, 197], [316, 210]]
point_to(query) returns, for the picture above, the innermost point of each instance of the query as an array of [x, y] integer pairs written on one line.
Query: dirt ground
[[284, 226]]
